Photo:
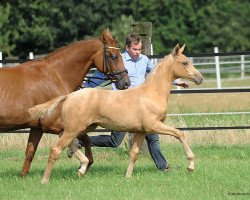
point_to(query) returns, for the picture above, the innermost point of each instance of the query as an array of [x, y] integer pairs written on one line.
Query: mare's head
[[183, 67], [109, 61]]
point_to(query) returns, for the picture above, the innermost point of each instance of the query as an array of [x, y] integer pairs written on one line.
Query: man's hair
[[133, 38]]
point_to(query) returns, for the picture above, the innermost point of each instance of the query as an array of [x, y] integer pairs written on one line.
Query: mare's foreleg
[[56, 151], [161, 128], [135, 150], [84, 161], [33, 141]]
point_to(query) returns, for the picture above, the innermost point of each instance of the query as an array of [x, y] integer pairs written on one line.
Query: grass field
[[222, 172]]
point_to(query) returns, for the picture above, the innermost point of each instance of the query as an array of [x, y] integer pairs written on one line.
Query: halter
[[107, 69]]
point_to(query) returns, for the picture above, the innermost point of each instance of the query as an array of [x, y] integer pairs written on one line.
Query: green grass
[[220, 169]]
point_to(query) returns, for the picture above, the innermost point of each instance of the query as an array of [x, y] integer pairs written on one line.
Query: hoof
[[80, 174], [190, 169], [44, 182], [23, 175]]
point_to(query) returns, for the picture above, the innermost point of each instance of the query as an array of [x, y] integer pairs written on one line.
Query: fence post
[[144, 29], [242, 66], [217, 66], [1, 58], [31, 55]]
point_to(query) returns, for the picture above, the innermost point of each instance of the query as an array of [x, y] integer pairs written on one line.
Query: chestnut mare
[[59, 73], [140, 110]]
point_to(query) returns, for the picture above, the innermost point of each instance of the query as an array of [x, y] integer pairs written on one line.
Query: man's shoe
[[70, 153], [167, 169]]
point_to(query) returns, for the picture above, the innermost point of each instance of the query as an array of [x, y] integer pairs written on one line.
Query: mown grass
[[220, 171]]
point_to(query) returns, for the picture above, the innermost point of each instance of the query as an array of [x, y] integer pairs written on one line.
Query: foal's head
[[110, 60], [183, 68]]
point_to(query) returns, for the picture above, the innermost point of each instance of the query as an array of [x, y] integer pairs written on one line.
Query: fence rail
[[215, 60], [199, 91]]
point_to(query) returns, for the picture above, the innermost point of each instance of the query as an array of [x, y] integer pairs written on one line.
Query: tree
[[6, 34], [42, 26]]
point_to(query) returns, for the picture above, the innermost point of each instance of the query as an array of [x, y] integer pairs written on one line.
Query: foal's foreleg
[[56, 151], [161, 128], [33, 141], [135, 150]]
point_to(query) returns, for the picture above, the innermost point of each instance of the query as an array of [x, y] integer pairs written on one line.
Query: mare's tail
[[40, 110]]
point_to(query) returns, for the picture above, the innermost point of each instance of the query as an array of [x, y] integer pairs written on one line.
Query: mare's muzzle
[[120, 79]]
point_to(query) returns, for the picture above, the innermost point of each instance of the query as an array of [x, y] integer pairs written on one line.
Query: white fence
[[220, 64], [216, 65]]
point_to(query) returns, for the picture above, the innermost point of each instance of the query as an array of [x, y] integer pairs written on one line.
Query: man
[[138, 65]]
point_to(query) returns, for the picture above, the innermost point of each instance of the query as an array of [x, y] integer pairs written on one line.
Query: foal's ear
[[182, 49], [106, 36], [176, 50]]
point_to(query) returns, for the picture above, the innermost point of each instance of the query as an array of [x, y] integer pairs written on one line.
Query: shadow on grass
[[70, 172]]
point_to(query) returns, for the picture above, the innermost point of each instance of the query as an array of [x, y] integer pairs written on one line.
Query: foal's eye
[[185, 63], [114, 57]]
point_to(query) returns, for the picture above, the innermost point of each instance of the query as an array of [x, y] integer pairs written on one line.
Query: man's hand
[[182, 84]]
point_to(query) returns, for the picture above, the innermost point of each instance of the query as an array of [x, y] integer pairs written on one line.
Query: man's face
[[134, 50]]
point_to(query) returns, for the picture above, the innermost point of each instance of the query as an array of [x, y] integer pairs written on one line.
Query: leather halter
[[112, 76], [107, 69]]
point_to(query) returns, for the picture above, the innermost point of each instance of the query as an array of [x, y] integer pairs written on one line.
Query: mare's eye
[[114, 57]]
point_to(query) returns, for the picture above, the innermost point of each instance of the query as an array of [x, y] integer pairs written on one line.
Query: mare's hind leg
[[135, 150], [33, 141], [56, 151], [88, 152], [84, 161], [161, 128]]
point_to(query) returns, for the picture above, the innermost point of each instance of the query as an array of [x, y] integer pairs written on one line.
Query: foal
[[140, 110]]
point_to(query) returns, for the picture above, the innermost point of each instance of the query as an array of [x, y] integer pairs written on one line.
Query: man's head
[[134, 45]]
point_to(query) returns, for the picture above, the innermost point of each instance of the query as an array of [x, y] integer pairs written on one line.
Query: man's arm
[[183, 84], [97, 79]]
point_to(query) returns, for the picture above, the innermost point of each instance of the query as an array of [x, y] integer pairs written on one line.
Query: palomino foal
[[139, 110]]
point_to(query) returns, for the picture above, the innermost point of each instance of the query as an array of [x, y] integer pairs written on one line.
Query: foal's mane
[[157, 66]]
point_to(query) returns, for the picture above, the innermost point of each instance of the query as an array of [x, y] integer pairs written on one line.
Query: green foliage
[[6, 35], [42, 26]]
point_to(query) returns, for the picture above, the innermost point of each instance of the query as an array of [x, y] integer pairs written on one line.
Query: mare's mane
[[60, 49]]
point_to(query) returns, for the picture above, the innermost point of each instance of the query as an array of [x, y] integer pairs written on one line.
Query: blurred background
[[42, 26]]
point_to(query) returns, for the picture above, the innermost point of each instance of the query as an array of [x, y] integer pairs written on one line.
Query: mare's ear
[[176, 50], [106, 36]]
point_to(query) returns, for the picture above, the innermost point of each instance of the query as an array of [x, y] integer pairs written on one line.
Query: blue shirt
[[137, 70]]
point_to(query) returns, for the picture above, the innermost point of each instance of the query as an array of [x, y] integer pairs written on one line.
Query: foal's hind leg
[[135, 150], [33, 141], [161, 128], [56, 151], [84, 161], [88, 152]]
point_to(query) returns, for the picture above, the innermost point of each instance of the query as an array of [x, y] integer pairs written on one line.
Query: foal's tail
[[40, 110]]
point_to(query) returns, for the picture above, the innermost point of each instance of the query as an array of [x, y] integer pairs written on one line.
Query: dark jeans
[[115, 139]]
